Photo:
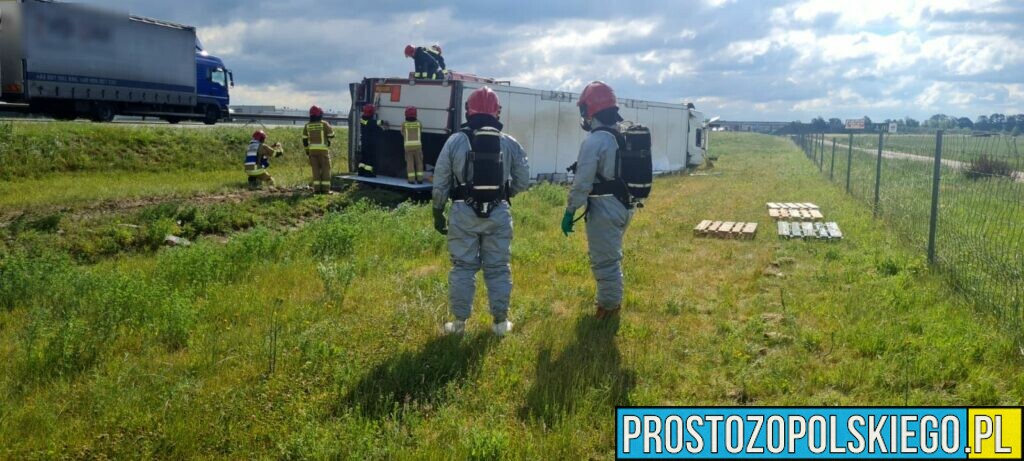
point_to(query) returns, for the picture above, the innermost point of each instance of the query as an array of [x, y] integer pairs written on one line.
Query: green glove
[[440, 223], [567, 223]]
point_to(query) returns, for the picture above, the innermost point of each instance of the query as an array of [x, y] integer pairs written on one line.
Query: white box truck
[[546, 123]]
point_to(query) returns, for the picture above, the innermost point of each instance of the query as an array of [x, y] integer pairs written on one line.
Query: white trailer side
[[546, 123]]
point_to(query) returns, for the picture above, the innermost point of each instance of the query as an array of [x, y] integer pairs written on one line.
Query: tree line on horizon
[[1013, 124]]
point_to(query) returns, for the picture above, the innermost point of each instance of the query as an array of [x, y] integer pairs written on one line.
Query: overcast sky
[[755, 60]]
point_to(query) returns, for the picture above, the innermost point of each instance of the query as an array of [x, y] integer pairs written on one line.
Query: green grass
[[980, 229], [959, 147], [92, 235], [325, 341], [74, 164]]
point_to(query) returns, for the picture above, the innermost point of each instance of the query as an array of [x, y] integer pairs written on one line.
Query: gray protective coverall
[[475, 242], [607, 218]]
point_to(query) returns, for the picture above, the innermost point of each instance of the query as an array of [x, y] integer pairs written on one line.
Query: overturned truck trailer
[[546, 123]]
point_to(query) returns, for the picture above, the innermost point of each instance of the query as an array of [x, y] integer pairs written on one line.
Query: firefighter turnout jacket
[[316, 136], [257, 157]]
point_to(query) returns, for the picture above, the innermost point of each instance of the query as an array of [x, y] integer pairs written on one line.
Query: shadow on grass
[[588, 373], [384, 197], [417, 378]]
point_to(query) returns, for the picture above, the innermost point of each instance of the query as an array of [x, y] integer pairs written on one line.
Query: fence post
[[936, 177], [849, 161], [821, 160], [878, 172], [832, 166]]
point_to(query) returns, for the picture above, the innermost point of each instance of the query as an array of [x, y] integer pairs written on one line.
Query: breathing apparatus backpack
[[634, 168], [488, 187]]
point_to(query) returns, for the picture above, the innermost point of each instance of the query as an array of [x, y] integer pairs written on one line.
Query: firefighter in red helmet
[[316, 138], [595, 179], [428, 62], [257, 160], [412, 133], [370, 131]]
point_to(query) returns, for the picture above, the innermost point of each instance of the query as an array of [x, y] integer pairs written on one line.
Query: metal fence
[[959, 198]]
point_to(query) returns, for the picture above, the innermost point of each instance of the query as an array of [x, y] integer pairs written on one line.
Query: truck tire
[[172, 120], [212, 115], [102, 113], [64, 116]]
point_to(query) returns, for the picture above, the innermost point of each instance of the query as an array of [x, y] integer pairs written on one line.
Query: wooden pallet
[[726, 229], [795, 211], [809, 230]]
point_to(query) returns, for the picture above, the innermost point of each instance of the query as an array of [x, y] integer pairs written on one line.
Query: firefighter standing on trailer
[[370, 131], [316, 137], [595, 186], [428, 62], [257, 160], [479, 169], [412, 133]]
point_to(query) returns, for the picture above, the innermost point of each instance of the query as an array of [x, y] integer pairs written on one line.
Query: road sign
[[893, 127], [855, 124]]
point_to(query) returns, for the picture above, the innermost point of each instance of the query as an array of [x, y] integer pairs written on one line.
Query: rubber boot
[[603, 313]]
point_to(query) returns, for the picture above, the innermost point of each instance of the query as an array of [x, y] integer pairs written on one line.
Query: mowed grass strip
[[64, 164], [325, 341], [979, 236]]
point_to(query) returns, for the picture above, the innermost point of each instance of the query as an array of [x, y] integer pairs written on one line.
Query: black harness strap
[[614, 186]]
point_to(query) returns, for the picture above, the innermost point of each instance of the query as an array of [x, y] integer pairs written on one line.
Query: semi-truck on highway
[[67, 61], [546, 123]]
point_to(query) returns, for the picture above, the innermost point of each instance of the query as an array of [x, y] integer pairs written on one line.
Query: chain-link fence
[[959, 198]]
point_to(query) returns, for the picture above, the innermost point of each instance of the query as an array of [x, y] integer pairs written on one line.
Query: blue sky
[[756, 60]]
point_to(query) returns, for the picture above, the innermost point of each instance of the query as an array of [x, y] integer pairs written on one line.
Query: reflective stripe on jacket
[[412, 133], [317, 135], [252, 154], [257, 156]]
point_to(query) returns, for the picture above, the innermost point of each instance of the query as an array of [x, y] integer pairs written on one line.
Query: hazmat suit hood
[[477, 121]]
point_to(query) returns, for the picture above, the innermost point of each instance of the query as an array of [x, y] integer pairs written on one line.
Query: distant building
[[269, 110], [755, 127]]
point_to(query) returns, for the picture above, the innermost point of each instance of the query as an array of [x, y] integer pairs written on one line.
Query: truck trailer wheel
[[64, 116], [172, 120], [102, 113], [212, 115]]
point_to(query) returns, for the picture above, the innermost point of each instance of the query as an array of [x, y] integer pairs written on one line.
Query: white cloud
[[973, 54], [943, 92], [1015, 92], [906, 13], [286, 95], [718, 3], [562, 55], [799, 59]]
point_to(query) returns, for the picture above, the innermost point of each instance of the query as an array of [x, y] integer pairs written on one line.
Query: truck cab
[[213, 81]]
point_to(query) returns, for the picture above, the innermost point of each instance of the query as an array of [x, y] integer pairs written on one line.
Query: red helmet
[[316, 111], [260, 136], [483, 101], [596, 97], [410, 51], [436, 48], [410, 112], [369, 110]]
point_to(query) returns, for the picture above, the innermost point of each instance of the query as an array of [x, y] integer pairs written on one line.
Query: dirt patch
[[128, 205]]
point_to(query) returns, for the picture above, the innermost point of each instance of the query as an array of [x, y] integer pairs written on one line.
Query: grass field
[[958, 147], [323, 339], [69, 164], [980, 229]]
